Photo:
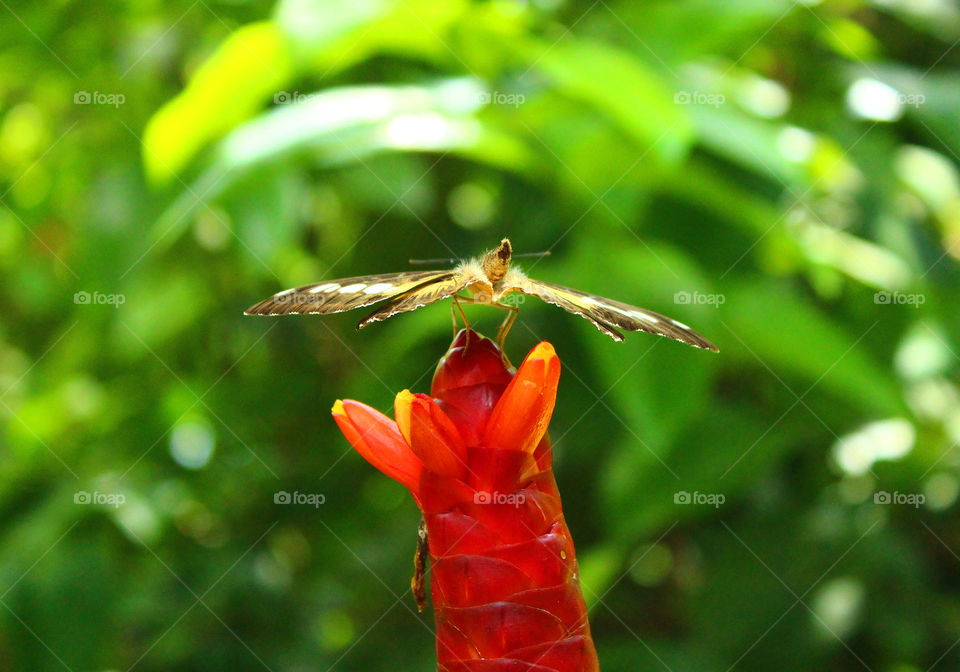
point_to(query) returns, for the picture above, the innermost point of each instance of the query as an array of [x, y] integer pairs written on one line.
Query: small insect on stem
[[418, 584]]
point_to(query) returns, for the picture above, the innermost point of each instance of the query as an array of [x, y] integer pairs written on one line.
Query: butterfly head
[[496, 262]]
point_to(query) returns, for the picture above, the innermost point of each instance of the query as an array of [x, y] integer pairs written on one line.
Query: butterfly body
[[488, 279]]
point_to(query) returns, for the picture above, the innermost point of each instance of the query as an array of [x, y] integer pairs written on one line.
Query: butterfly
[[489, 279]]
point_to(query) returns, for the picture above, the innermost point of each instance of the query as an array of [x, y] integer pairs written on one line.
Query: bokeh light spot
[[191, 444]]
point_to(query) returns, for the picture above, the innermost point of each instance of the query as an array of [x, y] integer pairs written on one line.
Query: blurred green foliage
[[781, 175]]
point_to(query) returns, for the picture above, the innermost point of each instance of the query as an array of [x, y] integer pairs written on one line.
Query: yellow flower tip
[[402, 410], [544, 350], [404, 400], [338, 408]]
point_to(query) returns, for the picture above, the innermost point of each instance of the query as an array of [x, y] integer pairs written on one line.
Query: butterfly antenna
[[447, 260], [451, 260]]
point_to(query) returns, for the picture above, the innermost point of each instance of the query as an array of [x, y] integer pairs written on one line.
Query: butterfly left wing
[[428, 293], [605, 313], [335, 296]]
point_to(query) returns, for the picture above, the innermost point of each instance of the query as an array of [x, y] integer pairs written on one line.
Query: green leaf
[[330, 36], [771, 326], [248, 69], [714, 456], [342, 126], [618, 86], [679, 31], [748, 142]]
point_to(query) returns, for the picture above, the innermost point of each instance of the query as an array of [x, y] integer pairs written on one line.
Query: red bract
[[477, 459]]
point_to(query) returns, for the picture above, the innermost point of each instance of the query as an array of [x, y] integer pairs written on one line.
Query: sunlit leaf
[[249, 68], [342, 126]]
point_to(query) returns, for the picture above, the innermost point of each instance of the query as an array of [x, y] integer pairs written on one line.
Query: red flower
[[476, 458]]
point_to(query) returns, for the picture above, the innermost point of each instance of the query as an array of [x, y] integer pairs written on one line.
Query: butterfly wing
[[606, 314], [567, 301], [440, 288], [335, 296]]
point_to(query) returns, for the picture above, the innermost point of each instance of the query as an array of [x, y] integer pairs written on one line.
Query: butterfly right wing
[[335, 296], [606, 314], [566, 301]]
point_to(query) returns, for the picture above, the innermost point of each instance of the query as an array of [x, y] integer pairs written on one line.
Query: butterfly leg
[[466, 324], [501, 331], [506, 324]]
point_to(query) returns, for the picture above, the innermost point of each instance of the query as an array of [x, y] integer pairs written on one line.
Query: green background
[[790, 166]]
